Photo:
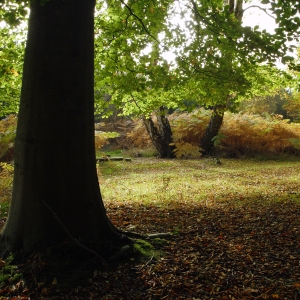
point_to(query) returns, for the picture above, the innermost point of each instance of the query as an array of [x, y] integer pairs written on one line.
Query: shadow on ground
[[244, 250]]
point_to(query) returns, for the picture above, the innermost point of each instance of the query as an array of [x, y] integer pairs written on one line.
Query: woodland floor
[[245, 248]]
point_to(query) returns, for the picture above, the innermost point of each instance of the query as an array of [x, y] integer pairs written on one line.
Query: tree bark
[[165, 131], [236, 8], [212, 129], [161, 136], [54, 150]]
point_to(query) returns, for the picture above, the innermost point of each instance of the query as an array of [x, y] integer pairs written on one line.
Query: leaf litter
[[223, 252], [241, 248]]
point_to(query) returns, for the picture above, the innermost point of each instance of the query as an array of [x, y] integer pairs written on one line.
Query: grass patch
[[117, 152], [150, 181], [161, 182]]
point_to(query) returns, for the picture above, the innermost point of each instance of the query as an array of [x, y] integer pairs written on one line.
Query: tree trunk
[[212, 129], [165, 131], [161, 136], [54, 151]]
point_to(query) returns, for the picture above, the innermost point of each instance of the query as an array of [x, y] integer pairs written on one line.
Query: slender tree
[[223, 60], [216, 120], [55, 169]]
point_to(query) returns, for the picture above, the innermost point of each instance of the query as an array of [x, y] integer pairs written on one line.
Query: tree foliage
[[214, 55], [14, 12], [11, 65], [293, 107], [124, 67]]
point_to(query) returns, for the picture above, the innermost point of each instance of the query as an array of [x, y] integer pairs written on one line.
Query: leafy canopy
[[216, 58], [214, 55]]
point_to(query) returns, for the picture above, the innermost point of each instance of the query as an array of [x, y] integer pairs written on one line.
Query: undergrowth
[[7, 138], [6, 178], [240, 134]]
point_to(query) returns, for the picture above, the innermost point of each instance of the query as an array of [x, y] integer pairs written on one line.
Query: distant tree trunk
[[165, 131], [160, 136], [215, 123], [212, 129], [236, 8], [54, 149]]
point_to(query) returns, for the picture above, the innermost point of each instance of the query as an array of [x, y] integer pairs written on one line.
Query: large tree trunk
[[160, 136], [55, 153], [212, 129]]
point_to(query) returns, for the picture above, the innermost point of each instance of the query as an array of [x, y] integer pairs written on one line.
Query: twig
[[263, 9], [147, 263], [139, 19], [159, 235]]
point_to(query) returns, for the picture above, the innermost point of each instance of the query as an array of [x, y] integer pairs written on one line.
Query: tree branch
[[139, 19], [263, 9]]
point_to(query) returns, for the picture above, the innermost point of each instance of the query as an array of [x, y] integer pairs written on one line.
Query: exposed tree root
[[145, 236], [103, 261], [124, 235], [160, 235]]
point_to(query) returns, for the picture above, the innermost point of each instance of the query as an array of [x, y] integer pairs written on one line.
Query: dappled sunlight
[[160, 182], [235, 226]]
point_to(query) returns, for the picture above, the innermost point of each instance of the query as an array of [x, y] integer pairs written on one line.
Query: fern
[[254, 134], [7, 137], [186, 150], [240, 134], [101, 138], [139, 136], [295, 142]]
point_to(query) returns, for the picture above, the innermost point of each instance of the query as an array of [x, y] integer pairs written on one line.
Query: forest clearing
[[199, 100], [234, 235]]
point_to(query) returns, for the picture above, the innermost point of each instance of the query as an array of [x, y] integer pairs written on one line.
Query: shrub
[[102, 138], [293, 107], [7, 138], [6, 178], [254, 134], [240, 134], [138, 135]]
